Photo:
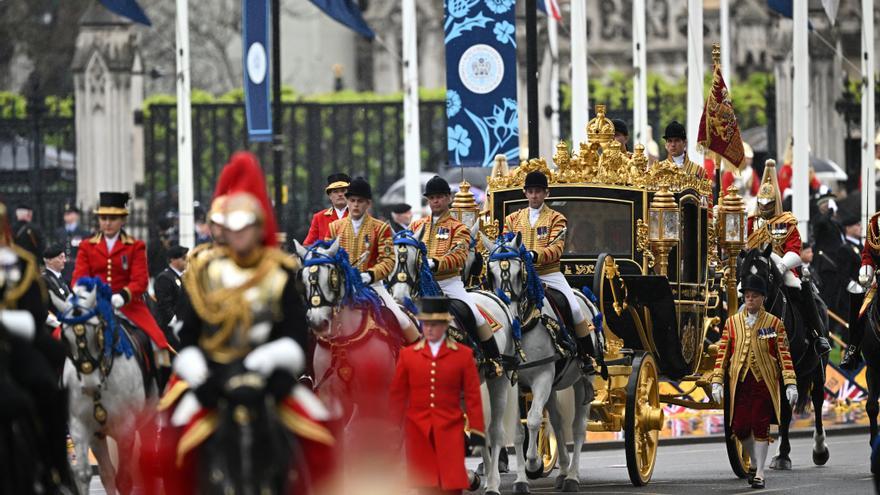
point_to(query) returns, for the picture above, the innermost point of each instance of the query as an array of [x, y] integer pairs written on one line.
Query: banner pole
[[277, 144], [532, 75], [186, 221]]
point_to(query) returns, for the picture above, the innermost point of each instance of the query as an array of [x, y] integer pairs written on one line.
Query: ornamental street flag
[[550, 7], [127, 8], [719, 131], [255, 34], [481, 106], [346, 13]]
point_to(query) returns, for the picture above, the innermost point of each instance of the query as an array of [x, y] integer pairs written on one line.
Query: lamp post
[[464, 207], [732, 237], [663, 226]]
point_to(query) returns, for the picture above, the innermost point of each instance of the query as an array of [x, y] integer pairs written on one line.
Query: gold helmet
[[769, 197]]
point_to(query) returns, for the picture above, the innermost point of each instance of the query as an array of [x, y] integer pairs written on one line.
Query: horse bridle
[[315, 295], [401, 275], [504, 255]]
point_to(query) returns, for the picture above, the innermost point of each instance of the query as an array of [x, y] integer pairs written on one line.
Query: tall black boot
[[586, 351], [491, 358], [852, 356]]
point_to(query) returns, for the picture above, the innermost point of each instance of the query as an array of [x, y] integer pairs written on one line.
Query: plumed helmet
[[247, 201]]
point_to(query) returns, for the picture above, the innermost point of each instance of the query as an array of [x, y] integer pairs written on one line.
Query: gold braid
[[873, 238], [12, 296]]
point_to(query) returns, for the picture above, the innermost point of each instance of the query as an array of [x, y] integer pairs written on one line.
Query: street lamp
[[732, 237], [663, 226], [464, 207]]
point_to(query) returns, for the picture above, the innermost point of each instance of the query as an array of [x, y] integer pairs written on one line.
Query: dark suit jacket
[[55, 285], [29, 238], [71, 242], [167, 288]]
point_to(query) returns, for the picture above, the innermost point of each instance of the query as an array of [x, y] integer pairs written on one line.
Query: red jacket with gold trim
[[320, 227]]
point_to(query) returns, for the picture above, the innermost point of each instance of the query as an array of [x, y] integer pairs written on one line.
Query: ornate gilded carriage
[[643, 239]]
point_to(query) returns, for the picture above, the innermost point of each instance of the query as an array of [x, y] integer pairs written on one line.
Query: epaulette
[[30, 273], [125, 238], [96, 238], [328, 212], [450, 343]]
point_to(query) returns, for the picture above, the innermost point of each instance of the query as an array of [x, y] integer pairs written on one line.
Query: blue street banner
[[346, 13], [481, 106], [127, 8], [257, 103]]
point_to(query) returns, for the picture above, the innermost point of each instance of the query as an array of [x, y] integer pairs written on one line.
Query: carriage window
[[594, 226]]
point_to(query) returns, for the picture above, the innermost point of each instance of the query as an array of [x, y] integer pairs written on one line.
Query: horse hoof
[[571, 485], [521, 487], [490, 492], [533, 475], [560, 480], [820, 458], [479, 469], [781, 463], [475, 484]]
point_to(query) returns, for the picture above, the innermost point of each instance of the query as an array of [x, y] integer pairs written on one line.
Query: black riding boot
[[586, 351], [805, 303], [852, 355], [492, 358]]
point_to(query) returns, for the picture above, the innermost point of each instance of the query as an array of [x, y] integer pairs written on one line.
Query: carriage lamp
[[464, 207], [732, 238], [663, 227]]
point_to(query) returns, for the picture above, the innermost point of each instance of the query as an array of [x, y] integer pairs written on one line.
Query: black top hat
[[23, 206], [52, 251], [620, 127], [337, 181], [535, 179], [401, 208], [360, 188], [434, 308], [754, 283], [437, 185], [675, 130], [848, 219], [112, 203], [177, 252]]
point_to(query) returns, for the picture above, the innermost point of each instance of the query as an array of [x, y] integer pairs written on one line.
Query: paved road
[[703, 468]]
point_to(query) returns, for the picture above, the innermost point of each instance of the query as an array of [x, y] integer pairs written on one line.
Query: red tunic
[[427, 392], [125, 270], [791, 243], [320, 228], [727, 179], [870, 254]]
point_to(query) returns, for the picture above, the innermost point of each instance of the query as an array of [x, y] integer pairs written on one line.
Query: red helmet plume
[[243, 175]]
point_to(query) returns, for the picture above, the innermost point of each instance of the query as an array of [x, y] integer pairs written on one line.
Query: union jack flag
[[550, 7]]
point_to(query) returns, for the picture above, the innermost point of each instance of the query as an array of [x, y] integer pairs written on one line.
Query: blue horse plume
[[104, 309]]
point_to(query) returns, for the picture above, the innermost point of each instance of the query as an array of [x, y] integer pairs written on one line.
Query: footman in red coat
[[426, 398]]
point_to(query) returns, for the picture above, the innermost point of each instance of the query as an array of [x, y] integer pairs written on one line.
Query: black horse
[[250, 452], [808, 364], [871, 352]]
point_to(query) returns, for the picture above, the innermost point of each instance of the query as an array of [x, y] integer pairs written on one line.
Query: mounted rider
[[337, 184], [120, 261], [870, 259], [770, 225], [33, 360], [241, 305], [447, 242], [368, 243], [543, 235]]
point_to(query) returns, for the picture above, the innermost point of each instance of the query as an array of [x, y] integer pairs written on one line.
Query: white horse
[[507, 272], [109, 393], [404, 283]]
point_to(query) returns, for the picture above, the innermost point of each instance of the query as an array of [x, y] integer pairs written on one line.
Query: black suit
[[29, 238], [167, 288], [57, 286]]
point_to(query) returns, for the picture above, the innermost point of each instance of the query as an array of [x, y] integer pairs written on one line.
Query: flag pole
[[725, 43], [800, 200], [695, 100], [640, 75], [580, 87], [411, 139], [277, 144], [184, 130], [553, 42], [532, 75], [716, 187], [868, 131]]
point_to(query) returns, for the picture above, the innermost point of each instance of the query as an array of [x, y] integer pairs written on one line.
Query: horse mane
[[427, 285], [104, 310], [534, 287], [356, 293]]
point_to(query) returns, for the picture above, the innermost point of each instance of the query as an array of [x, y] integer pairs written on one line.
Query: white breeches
[[454, 288], [557, 281], [402, 319]]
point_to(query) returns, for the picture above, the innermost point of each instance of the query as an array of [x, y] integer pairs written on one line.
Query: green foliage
[[15, 106]]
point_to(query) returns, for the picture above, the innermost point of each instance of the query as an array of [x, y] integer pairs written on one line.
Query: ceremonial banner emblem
[[719, 131], [255, 34], [481, 82]]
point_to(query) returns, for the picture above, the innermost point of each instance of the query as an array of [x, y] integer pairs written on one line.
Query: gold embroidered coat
[[761, 348], [447, 241], [374, 237], [542, 238]]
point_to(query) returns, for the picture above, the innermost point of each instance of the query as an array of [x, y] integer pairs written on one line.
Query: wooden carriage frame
[[656, 326]]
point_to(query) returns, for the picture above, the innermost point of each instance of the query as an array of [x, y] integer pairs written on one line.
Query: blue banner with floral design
[[481, 82]]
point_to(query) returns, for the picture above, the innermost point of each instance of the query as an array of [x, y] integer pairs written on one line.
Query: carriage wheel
[[643, 420], [739, 459]]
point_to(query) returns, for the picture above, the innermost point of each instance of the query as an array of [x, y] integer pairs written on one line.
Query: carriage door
[[690, 298]]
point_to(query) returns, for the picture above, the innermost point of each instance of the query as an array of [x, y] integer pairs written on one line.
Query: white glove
[[431, 264], [832, 205], [791, 394], [117, 300], [717, 392], [366, 278], [186, 408], [52, 320], [283, 353], [190, 365], [790, 260], [18, 322], [866, 272]]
